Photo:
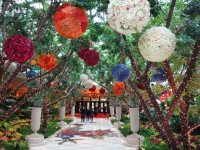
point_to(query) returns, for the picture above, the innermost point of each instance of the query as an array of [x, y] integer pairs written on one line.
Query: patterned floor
[[99, 135]]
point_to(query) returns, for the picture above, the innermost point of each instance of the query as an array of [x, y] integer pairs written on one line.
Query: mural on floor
[[69, 133]]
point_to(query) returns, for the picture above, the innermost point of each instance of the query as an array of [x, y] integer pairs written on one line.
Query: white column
[[118, 113], [111, 111], [73, 111], [134, 119], [35, 119]]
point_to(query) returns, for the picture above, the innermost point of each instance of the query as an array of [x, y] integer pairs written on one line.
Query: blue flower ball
[[31, 74], [160, 76], [121, 72]]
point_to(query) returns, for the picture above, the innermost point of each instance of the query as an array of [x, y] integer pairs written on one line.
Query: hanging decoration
[[157, 44], [18, 48], [164, 96], [88, 84], [70, 21], [82, 53], [91, 58], [93, 88], [53, 83], [21, 92], [128, 16], [160, 76], [121, 72], [118, 88], [102, 91], [31, 74], [47, 61], [83, 77]]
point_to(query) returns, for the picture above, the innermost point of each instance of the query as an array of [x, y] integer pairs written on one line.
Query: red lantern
[[47, 61], [82, 53], [118, 87], [18, 48], [70, 21], [91, 58], [102, 91], [93, 88]]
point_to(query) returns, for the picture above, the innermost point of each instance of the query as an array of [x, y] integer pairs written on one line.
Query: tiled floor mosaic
[[99, 135]]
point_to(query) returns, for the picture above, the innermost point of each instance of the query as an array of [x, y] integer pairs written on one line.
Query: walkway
[[99, 135]]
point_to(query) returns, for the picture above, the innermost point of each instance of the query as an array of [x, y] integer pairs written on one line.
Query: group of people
[[88, 114]]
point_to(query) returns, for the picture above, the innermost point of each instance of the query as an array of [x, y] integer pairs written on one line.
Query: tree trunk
[[45, 115]]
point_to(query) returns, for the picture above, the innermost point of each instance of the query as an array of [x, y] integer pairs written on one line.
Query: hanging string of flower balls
[[82, 52], [121, 72], [118, 88], [47, 61], [70, 21], [159, 76], [91, 58], [157, 44], [128, 16], [18, 48]]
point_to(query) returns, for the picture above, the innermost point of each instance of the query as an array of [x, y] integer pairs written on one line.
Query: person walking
[[87, 115], [83, 114]]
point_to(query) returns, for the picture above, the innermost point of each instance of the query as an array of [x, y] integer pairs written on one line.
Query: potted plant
[[134, 139], [36, 139], [62, 113]]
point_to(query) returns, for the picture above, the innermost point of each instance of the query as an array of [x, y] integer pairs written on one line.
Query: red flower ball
[[93, 88], [82, 52], [70, 21], [18, 48], [91, 58], [102, 91]]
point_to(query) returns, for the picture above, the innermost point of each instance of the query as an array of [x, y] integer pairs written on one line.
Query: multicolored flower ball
[[31, 74], [157, 44], [121, 72], [47, 61], [118, 88], [102, 91], [160, 76], [91, 58], [18, 48], [70, 21], [128, 16]]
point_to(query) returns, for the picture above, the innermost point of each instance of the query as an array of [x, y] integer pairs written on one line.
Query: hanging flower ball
[[91, 58], [18, 48], [53, 83], [21, 92], [82, 53], [93, 88], [33, 62], [83, 77], [88, 84], [121, 72], [31, 74], [70, 21], [118, 88], [128, 16], [160, 76], [47, 61], [157, 44], [102, 91]]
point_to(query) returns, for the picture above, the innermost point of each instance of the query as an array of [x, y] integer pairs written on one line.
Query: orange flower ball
[[70, 21], [33, 62], [47, 61], [118, 87], [21, 92]]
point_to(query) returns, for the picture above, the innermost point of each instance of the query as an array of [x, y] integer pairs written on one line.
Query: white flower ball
[[157, 44], [88, 84], [128, 16], [90, 76], [83, 77]]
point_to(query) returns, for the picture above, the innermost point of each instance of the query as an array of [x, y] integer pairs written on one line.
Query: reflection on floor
[[96, 135]]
